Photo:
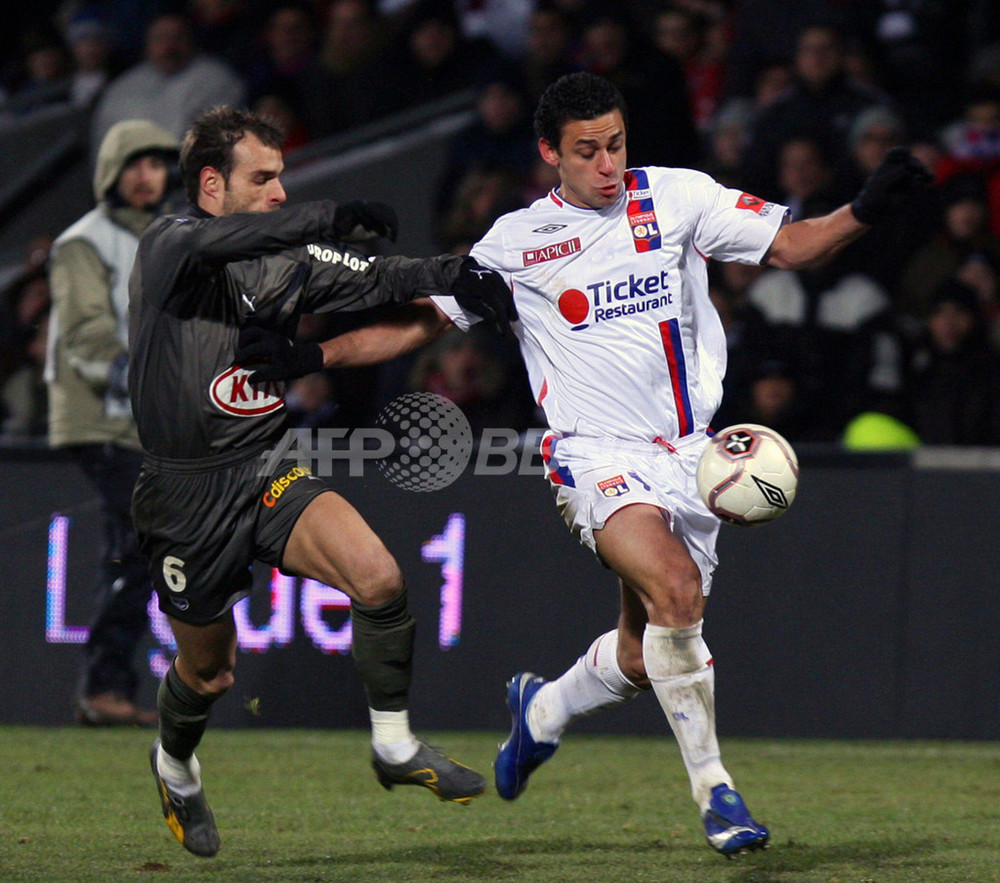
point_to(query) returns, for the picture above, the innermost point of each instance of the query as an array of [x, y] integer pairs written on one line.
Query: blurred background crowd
[[794, 102]]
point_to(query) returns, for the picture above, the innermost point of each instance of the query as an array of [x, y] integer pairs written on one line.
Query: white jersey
[[616, 326]]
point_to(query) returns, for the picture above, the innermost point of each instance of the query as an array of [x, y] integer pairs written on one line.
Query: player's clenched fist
[[358, 220], [482, 291], [899, 175], [275, 356]]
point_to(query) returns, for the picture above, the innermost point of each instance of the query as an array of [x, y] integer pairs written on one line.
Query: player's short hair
[[211, 138], [577, 96]]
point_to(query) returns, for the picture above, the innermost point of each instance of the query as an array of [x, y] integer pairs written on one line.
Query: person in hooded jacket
[[89, 410]]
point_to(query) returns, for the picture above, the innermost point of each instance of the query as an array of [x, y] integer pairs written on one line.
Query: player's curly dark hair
[[577, 96], [211, 138]]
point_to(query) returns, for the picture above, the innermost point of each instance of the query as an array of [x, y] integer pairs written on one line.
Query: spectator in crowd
[[39, 73], [765, 32], [502, 23], [771, 83], [981, 272], [840, 332], [775, 400], [683, 34], [822, 103], [434, 58], [549, 51], [747, 343], [279, 107], [873, 133], [288, 47], [661, 128], [885, 253], [229, 29], [953, 394], [541, 179], [726, 140], [733, 123], [490, 386], [479, 197], [349, 82], [95, 62], [859, 65], [89, 409], [24, 324], [500, 140], [963, 232], [917, 50], [972, 145], [171, 86], [806, 178]]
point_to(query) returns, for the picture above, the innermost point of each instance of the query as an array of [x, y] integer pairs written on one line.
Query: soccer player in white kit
[[626, 355]]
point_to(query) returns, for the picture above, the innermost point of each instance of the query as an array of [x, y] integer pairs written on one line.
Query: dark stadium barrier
[[869, 610]]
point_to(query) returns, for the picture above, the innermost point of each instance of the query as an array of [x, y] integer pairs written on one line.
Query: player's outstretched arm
[[886, 192], [811, 241], [276, 357], [405, 329]]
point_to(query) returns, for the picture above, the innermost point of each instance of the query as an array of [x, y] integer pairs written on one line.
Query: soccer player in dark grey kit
[[228, 264]]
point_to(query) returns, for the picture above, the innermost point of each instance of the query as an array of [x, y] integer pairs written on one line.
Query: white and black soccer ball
[[748, 474]]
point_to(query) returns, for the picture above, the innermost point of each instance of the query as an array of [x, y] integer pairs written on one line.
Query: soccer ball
[[748, 474]]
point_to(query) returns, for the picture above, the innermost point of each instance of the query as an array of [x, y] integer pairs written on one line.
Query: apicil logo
[[551, 252]]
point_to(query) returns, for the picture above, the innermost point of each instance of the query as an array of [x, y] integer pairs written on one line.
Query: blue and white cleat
[[520, 755], [729, 827]]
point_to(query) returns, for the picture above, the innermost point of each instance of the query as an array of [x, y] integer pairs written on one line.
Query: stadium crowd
[[794, 103]]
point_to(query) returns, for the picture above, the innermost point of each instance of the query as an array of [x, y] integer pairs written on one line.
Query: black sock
[[183, 715], [383, 652]]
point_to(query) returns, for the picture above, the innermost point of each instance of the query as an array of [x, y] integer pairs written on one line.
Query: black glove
[[898, 176], [482, 291], [283, 359], [357, 221]]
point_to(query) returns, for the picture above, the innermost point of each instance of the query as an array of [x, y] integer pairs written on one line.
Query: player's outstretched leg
[[520, 755], [447, 778], [188, 816], [729, 827]]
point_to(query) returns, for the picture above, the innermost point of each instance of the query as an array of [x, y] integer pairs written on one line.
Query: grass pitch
[[294, 805]]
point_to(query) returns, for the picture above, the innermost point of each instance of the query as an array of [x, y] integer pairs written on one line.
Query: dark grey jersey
[[197, 278]]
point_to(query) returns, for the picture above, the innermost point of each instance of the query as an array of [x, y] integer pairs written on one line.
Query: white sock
[[594, 681], [679, 666], [183, 777], [391, 736]]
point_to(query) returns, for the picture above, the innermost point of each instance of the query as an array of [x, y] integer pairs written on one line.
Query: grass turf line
[[300, 805]]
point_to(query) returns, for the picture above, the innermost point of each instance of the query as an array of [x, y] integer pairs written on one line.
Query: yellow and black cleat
[[189, 818], [447, 778]]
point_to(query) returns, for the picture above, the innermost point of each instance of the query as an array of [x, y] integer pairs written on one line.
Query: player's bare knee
[[679, 601], [215, 681], [380, 584]]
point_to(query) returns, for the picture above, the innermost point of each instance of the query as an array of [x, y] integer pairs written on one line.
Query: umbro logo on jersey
[[549, 228], [551, 252]]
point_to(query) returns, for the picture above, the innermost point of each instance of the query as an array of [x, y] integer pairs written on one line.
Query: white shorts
[[594, 478]]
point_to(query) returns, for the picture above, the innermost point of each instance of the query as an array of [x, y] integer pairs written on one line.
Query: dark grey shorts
[[202, 529]]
